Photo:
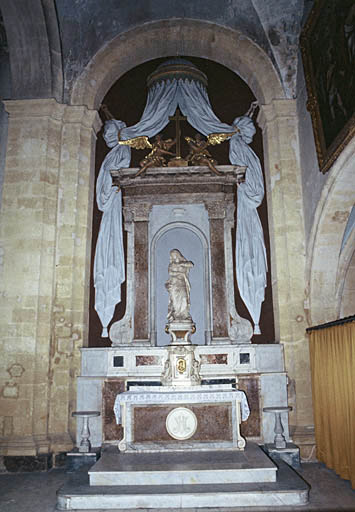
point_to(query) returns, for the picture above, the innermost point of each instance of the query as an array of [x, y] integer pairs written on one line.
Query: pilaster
[[45, 235], [220, 314], [279, 123]]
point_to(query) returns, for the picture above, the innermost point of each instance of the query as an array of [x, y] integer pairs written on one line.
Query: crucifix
[[177, 161]]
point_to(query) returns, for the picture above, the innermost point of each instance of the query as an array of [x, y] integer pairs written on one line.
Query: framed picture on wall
[[328, 50]]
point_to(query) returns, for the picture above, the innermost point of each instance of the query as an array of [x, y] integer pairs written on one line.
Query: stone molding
[[216, 209], [137, 212], [277, 108], [22, 109]]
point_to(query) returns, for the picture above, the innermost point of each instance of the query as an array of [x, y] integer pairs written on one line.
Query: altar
[[193, 210], [195, 418], [181, 384]]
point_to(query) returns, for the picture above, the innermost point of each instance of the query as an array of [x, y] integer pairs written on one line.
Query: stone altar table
[[169, 418]]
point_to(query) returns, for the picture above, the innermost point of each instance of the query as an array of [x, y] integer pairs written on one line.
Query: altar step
[[183, 468], [289, 489]]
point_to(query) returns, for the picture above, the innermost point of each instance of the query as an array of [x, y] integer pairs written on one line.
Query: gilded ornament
[[218, 138], [141, 142]]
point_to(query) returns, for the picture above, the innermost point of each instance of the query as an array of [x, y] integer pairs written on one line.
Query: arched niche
[[193, 243]]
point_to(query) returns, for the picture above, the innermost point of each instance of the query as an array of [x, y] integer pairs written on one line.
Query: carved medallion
[[181, 365], [181, 423]]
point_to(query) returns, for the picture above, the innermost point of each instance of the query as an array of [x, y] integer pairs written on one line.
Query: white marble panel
[[94, 361], [263, 358], [270, 358]]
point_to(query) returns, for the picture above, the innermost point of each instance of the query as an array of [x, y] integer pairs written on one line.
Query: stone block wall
[[45, 240]]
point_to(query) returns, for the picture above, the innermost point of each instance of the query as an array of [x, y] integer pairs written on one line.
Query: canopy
[[165, 94]]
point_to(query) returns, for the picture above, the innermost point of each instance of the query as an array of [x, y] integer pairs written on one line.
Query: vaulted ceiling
[[49, 42]]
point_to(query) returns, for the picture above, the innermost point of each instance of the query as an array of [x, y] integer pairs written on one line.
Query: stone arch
[[328, 264], [177, 37], [346, 278], [228, 47]]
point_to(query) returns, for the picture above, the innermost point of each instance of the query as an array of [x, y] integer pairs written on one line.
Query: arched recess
[[177, 37], [194, 246], [327, 263], [242, 56], [278, 118]]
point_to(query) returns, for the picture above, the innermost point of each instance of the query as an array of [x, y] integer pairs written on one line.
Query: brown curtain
[[332, 353]]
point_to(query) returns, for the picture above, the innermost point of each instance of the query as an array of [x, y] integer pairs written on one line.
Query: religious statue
[[178, 287], [199, 154], [156, 157]]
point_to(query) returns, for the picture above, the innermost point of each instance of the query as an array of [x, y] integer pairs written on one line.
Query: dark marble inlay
[[131, 383], [214, 358], [118, 361], [220, 328], [111, 431], [141, 280], [209, 382], [214, 423], [251, 427], [244, 358], [148, 361]]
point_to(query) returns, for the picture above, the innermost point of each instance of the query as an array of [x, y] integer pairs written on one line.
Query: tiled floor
[[36, 492]]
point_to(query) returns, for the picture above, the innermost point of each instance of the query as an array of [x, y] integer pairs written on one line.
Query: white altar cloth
[[172, 395]]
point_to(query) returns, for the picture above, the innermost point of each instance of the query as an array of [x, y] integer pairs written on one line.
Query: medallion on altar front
[[181, 423]]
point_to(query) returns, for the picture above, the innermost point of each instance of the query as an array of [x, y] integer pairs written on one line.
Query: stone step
[[289, 490], [183, 468]]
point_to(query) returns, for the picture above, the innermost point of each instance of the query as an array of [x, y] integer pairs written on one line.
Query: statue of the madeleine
[[178, 286]]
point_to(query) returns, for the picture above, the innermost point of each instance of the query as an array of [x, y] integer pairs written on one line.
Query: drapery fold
[[332, 352], [192, 98]]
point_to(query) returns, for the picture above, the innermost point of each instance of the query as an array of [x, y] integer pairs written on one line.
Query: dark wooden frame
[[329, 65]]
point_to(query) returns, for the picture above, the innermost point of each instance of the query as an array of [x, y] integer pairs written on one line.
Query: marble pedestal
[[289, 454], [76, 460]]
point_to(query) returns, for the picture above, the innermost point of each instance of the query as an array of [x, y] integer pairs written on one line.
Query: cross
[[177, 118]]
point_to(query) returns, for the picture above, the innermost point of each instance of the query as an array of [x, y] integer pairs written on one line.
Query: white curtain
[[192, 98]]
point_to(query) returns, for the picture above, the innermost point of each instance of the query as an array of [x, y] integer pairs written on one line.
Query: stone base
[[289, 490], [290, 454], [304, 437], [219, 467], [76, 460]]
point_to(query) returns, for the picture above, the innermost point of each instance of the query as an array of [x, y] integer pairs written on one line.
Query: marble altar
[[191, 210], [197, 417]]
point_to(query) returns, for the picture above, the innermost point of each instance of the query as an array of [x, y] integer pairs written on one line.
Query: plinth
[[181, 367]]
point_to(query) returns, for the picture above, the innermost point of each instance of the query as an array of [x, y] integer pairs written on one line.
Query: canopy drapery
[[192, 98]]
